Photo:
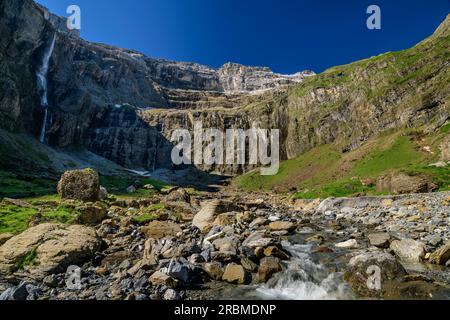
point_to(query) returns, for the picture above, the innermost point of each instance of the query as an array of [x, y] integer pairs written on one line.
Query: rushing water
[[41, 74], [304, 279]]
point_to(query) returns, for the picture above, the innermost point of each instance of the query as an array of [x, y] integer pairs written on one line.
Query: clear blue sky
[[285, 35]]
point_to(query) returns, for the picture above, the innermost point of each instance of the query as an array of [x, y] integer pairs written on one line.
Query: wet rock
[[317, 238], [363, 266], [16, 293], [282, 226], [49, 248], [408, 250], [441, 256], [159, 229], [214, 270], [380, 240], [235, 273], [268, 267], [274, 251], [83, 185]]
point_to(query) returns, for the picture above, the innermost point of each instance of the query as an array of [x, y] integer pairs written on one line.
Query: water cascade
[[43, 85]]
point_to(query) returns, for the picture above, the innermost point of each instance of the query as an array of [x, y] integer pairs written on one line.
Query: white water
[[303, 279], [41, 74]]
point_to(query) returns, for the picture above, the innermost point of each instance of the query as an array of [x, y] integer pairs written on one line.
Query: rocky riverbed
[[230, 245]]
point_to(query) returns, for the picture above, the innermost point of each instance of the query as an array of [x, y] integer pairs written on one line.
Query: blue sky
[[285, 35]]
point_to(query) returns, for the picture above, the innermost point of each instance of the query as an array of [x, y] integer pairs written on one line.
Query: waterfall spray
[[43, 85]]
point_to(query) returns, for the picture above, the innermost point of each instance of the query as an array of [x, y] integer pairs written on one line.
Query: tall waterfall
[[43, 86]]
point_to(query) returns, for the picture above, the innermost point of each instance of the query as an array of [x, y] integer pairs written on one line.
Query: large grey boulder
[[48, 248]]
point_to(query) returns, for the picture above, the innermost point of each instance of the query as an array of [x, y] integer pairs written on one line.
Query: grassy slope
[[325, 171]]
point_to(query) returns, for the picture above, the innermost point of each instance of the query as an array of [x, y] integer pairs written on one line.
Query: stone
[[204, 219], [441, 256], [263, 243], [274, 251], [225, 219], [258, 222], [91, 214], [214, 270], [131, 189], [83, 185], [317, 238], [178, 195], [307, 206], [235, 273], [363, 266], [161, 229], [408, 250], [268, 267], [103, 193], [171, 295], [282, 226], [248, 264], [349, 244], [159, 278], [380, 240], [49, 248]]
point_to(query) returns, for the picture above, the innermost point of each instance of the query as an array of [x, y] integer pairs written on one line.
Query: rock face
[[48, 248], [119, 104], [81, 185]]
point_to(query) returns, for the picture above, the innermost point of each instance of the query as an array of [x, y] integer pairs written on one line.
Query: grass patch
[[14, 219], [28, 260], [117, 186], [14, 186], [149, 214]]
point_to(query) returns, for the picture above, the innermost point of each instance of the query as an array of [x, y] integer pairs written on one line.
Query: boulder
[[362, 267], [441, 256], [161, 229], [274, 251], [49, 248], [83, 185], [380, 240], [401, 183], [408, 250], [235, 273], [268, 267], [103, 193]]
